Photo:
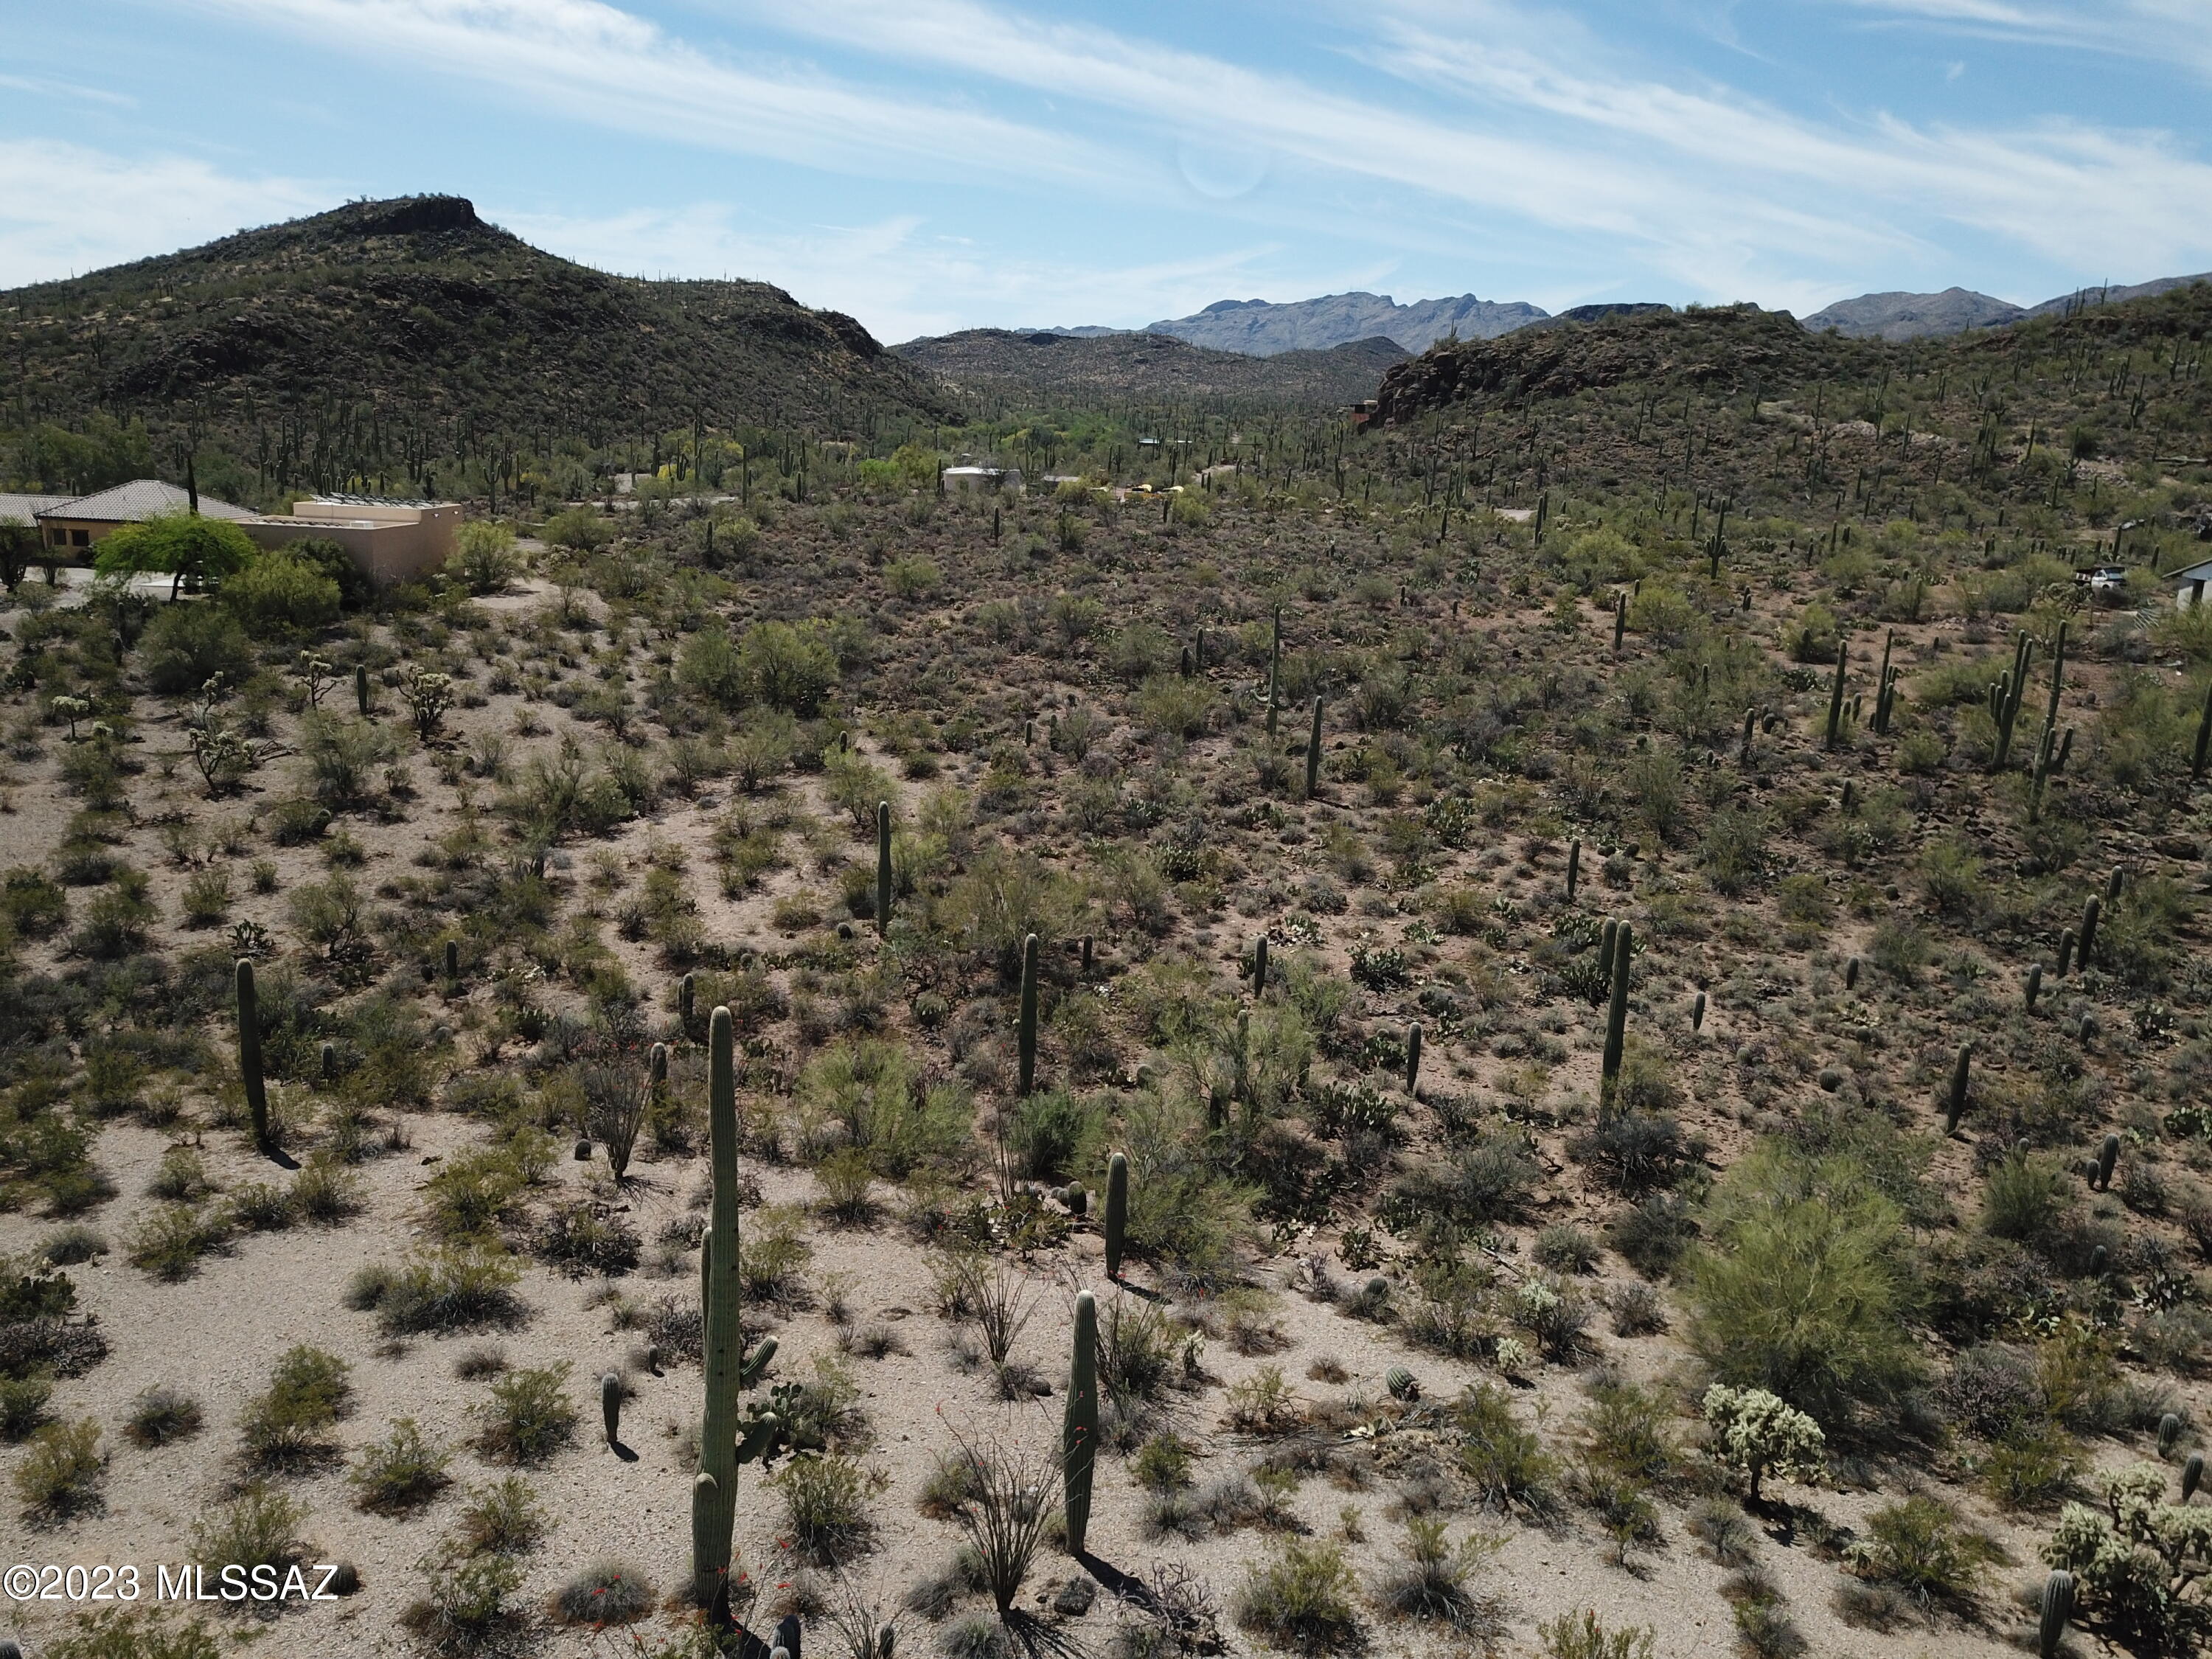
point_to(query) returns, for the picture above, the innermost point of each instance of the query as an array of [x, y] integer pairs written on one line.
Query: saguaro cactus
[[2065, 952], [2108, 1156], [1616, 1015], [1607, 935], [2034, 987], [687, 999], [714, 1494], [360, 688], [2092, 910], [1274, 670], [1955, 1108], [1026, 1037], [1573, 866], [1117, 1212], [1836, 693], [882, 867], [611, 1396], [2055, 1608], [2203, 752], [1313, 752], [1414, 1059], [249, 1053], [1697, 1012], [2169, 1433], [2192, 1474], [1079, 1429], [1620, 619], [1259, 966]]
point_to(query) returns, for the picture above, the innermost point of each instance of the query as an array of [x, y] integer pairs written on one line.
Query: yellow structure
[[392, 541]]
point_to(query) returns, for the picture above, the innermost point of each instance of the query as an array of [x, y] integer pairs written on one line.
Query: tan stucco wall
[[389, 547]]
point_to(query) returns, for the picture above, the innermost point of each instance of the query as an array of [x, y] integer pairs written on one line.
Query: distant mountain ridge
[[1042, 363]]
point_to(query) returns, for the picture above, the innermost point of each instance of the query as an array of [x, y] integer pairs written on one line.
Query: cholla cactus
[[1511, 1355], [1759, 1434], [2141, 1563]]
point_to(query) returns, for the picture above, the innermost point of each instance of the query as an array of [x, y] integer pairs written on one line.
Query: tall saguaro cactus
[[1079, 1430], [714, 1494], [1026, 1037], [249, 1053], [1616, 1016], [1117, 1212], [1313, 752], [883, 868], [1274, 670], [1836, 693]]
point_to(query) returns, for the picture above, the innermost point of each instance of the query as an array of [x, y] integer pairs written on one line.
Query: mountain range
[[1042, 365], [1261, 328]]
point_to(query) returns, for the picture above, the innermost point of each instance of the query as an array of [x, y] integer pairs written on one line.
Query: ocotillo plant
[[1117, 1212], [1954, 1107], [1573, 866], [1616, 1017], [1836, 693], [1414, 1060], [1026, 1037], [1313, 752], [249, 1053], [1079, 1428], [883, 868], [360, 688], [2055, 1608]]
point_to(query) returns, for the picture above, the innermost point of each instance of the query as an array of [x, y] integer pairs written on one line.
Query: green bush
[[308, 1391], [1805, 1287], [133, 1633], [161, 1415], [187, 645], [1920, 1546], [1583, 1635], [60, 1474], [22, 1406], [1305, 1600], [529, 1416], [503, 1518], [278, 595], [259, 1527], [1506, 1462], [825, 1504], [401, 1473]]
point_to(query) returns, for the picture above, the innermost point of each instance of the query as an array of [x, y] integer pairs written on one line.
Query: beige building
[[74, 525], [392, 541]]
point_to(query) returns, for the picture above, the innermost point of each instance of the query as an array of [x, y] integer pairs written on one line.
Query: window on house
[[80, 539]]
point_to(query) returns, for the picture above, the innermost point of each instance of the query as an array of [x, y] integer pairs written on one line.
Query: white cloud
[[2176, 32], [582, 58], [897, 276], [64, 208]]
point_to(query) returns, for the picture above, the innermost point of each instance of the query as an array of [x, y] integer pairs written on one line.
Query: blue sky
[[936, 164]]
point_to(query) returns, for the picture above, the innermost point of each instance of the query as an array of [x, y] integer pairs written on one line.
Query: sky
[[930, 164]]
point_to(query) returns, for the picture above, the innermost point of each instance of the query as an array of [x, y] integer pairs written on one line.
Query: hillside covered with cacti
[[1572, 1023]]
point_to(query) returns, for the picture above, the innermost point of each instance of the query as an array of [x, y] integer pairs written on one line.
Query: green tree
[[183, 546]]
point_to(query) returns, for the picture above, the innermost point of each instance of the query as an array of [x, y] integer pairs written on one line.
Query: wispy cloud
[[2176, 32], [584, 59], [896, 275], [46, 86], [64, 207]]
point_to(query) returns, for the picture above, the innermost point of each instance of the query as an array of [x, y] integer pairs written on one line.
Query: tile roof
[[140, 499], [27, 508]]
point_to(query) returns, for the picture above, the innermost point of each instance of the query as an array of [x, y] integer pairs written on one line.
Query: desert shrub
[[1625, 1427], [1305, 1599], [1566, 1248], [788, 668], [185, 646], [1429, 1579], [1583, 1635], [446, 1289], [825, 1504], [286, 1423], [464, 1608], [1636, 1310], [401, 1473], [1052, 1132], [257, 1529], [2029, 1197], [1654, 1235], [529, 1416], [1506, 1462], [484, 559], [605, 1593], [262, 1206], [59, 1475], [278, 595], [1162, 1464], [1919, 1546], [1806, 1288], [503, 1518], [22, 1406], [137, 1633], [1262, 1404], [160, 1414], [1475, 1186], [1138, 1347], [585, 1237], [868, 1093]]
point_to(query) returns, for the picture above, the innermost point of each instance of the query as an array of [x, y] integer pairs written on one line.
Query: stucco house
[[77, 523]]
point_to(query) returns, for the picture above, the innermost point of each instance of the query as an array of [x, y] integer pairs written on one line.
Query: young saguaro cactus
[[1836, 693], [1274, 670], [1079, 1429], [1259, 966], [1414, 1060], [2092, 911], [2108, 1157], [2192, 1476], [249, 1053], [1026, 1036], [360, 688], [1573, 866], [1117, 1212], [883, 868], [2056, 1607], [611, 1399], [1954, 1107], [1616, 1016], [1313, 752]]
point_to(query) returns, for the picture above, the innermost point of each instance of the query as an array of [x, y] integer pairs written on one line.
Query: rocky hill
[[1046, 367], [1263, 329], [359, 339], [1911, 316]]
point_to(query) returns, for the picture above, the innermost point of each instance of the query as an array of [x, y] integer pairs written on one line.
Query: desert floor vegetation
[[1605, 990]]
